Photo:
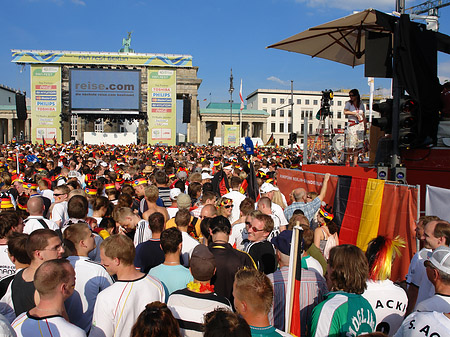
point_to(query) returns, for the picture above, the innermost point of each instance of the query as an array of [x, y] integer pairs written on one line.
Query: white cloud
[[79, 2], [277, 80], [387, 5]]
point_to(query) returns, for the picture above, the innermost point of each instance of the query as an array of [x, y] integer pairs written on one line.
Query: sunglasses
[[256, 230], [350, 95], [58, 194], [228, 206]]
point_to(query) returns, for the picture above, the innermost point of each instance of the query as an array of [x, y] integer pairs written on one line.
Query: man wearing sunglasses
[[59, 207], [260, 249]]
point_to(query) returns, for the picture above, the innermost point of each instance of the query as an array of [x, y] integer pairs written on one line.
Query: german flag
[[270, 141], [365, 208]]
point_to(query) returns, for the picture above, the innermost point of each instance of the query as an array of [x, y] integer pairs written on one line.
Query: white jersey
[[172, 211], [237, 198], [26, 325], [424, 324], [313, 264], [91, 278], [118, 306], [7, 268], [389, 303], [415, 271], [238, 235], [279, 213], [33, 222], [143, 232], [59, 212], [6, 329], [439, 303], [189, 243]]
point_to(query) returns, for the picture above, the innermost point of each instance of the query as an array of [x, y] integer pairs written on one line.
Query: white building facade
[[282, 120]]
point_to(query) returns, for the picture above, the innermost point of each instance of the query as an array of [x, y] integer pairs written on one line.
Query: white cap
[[174, 193], [103, 164], [441, 259], [229, 167], [267, 187], [206, 175]]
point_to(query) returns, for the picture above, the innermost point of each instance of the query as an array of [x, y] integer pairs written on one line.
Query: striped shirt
[[143, 232], [312, 290], [189, 307], [51, 326], [118, 306]]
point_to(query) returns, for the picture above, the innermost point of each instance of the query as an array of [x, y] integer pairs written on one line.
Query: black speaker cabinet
[[378, 55], [186, 110], [21, 107]]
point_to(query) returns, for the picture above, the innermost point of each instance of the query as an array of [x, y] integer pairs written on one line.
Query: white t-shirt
[[7, 268], [59, 212], [424, 324], [189, 243], [439, 303], [118, 306], [389, 303], [26, 326], [313, 264], [237, 198], [279, 213], [350, 107], [238, 235], [32, 223], [91, 278], [172, 211], [143, 232], [415, 270]]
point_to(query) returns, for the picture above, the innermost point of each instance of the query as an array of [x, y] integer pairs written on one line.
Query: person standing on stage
[[356, 129]]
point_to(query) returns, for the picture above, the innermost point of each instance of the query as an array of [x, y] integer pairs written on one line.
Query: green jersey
[[342, 314]]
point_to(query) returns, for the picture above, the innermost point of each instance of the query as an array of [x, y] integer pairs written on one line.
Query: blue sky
[[218, 34]]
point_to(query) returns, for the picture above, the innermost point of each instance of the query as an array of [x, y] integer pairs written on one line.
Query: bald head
[[208, 211], [35, 206], [299, 194]]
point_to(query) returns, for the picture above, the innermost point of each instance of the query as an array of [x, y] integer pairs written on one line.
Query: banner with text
[[162, 106], [60, 57], [231, 135], [45, 103]]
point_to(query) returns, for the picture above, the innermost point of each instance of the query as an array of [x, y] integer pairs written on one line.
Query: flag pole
[[240, 112]]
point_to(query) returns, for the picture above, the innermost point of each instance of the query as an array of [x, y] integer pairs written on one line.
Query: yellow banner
[[231, 135], [45, 103], [162, 106], [61, 57]]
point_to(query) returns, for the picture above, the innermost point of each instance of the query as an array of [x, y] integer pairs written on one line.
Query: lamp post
[[231, 96]]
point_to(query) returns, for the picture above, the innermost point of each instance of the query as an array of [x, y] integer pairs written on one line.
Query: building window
[[339, 103], [339, 114], [123, 129], [272, 127], [281, 113], [307, 101], [310, 128], [299, 101], [98, 125], [331, 103], [281, 142], [289, 113], [290, 101], [302, 128], [310, 114], [73, 126], [315, 102], [339, 126], [274, 100], [303, 114], [273, 113], [281, 100], [264, 100], [289, 127], [281, 127]]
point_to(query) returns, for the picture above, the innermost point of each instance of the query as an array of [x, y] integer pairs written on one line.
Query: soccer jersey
[[238, 235], [389, 302], [266, 331], [59, 212], [342, 314], [118, 306], [91, 278], [143, 232], [189, 243], [7, 268], [439, 303], [424, 324], [312, 264], [26, 325], [189, 308], [149, 254]]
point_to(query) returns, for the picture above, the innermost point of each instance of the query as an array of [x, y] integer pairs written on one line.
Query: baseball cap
[[229, 167], [183, 201], [206, 175], [283, 242], [440, 259], [174, 193], [267, 187], [202, 263]]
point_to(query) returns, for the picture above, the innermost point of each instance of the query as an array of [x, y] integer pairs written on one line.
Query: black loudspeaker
[[384, 151], [398, 174], [382, 172], [21, 107], [378, 55], [186, 110]]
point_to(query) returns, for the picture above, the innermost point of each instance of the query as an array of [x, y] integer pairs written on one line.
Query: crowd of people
[[195, 241]]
